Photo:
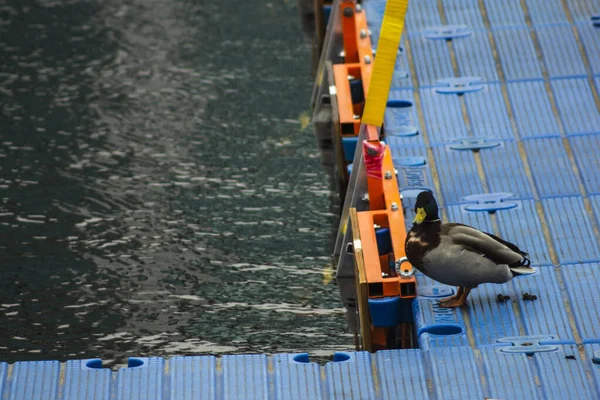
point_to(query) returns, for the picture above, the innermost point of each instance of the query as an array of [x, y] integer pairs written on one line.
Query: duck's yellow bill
[[420, 217]]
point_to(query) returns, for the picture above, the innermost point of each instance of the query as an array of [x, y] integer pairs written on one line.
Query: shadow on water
[[161, 192]]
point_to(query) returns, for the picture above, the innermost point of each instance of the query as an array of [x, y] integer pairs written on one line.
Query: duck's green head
[[426, 208]]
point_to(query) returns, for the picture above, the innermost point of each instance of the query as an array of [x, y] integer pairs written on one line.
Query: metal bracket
[[405, 273], [474, 143], [447, 32], [490, 202], [527, 344], [459, 86]]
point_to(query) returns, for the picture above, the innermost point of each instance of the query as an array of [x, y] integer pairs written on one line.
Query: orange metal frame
[[394, 220], [384, 197]]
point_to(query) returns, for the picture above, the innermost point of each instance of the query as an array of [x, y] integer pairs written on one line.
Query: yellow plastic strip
[[387, 51]]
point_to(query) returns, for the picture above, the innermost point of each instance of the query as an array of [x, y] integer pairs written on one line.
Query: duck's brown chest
[[419, 242]]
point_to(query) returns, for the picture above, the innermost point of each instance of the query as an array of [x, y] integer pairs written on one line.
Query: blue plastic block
[[509, 376], [546, 315], [517, 53], [464, 12], [429, 340], [401, 123], [590, 37], [374, 10], [546, 11], [592, 352], [504, 170], [401, 374], [479, 220], [583, 10], [296, 378], [35, 380], [550, 167], [421, 15], [86, 379], [431, 59], [385, 312], [384, 240], [571, 230], [555, 367], [455, 374], [193, 378], [522, 227], [576, 105], [458, 173], [487, 113], [490, 319], [143, 379], [443, 116], [3, 368], [532, 109], [245, 374], [560, 50], [431, 318], [474, 56], [401, 77], [505, 13], [595, 200], [414, 173], [349, 146], [350, 376], [581, 282], [585, 149]]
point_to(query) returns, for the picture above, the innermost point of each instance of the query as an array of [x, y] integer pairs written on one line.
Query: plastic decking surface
[[496, 107]]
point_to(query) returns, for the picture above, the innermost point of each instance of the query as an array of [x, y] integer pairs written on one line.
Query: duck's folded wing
[[500, 251]]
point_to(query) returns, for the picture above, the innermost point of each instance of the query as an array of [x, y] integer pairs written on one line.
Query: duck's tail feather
[[522, 270]]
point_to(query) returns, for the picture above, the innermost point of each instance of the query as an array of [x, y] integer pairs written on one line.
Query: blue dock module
[[350, 376], [86, 380], [143, 379], [193, 378]]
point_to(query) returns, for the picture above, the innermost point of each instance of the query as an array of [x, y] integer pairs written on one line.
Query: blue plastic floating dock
[[495, 106]]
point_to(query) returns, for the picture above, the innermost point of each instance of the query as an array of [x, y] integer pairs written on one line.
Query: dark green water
[[159, 191]]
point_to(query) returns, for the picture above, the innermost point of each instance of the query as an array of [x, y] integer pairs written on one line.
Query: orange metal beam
[[347, 11]]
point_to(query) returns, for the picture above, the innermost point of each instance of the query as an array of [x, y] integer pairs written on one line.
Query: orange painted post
[[347, 11]]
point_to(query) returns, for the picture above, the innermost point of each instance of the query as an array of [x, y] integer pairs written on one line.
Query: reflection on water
[[159, 191]]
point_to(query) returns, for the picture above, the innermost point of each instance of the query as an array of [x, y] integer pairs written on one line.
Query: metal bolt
[[358, 8], [363, 33], [384, 275], [367, 60], [350, 77], [394, 206], [369, 32], [365, 197], [356, 116], [388, 174], [342, 53], [348, 12], [374, 51], [396, 171]]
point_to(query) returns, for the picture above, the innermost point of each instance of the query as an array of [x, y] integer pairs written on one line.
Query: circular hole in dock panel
[[443, 330], [301, 358], [339, 357], [94, 364], [399, 103], [134, 362]]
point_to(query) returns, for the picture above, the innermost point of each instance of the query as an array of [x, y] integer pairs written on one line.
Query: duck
[[460, 255]]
